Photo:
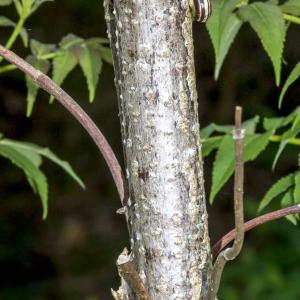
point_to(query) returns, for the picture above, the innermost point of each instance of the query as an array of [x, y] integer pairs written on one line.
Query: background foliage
[[71, 255]]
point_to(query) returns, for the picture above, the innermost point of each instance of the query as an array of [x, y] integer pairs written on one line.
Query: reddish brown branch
[[232, 252], [44, 82], [230, 236]]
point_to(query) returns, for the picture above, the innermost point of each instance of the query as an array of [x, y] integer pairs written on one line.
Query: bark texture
[[153, 54]]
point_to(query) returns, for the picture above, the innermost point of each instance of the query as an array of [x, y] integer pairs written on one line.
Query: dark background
[[72, 254]]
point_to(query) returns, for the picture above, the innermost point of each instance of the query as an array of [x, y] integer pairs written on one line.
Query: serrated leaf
[[223, 26], [39, 49], [295, 74], [5, 2], [91, 65], [32, 88], [69, 41], [268, 22], [291, 7], [106, 54], [287, 201], [289, 134], [255, 144], [277, 188], [297, 188], [63, 64], [209, 145], [33, 174], [250, 125], [40, 151], [45, 152], [223, 166], [273, 123]]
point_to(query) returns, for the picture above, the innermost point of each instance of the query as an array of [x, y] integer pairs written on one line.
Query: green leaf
[[255, 144], [8, 23], [209, 145], [35, 177], [91, 65], [106, 54], [291, 7], [63, 64], [39, 49], [32, 88], [223, 27], [277, 188], [273, 123], [70, 41], [268, 22], [295, 74], [5, 2], [297, 188], [45, 152], [250, 125], [287, 201], [19, 7], [289, 134], [223, 166]]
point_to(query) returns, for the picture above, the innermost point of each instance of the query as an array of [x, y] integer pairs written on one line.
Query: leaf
[[297, 188], [35, 177], [45, 152], [277, 188], [268, 22], [70, 41], [209, 145], [91, 65], [19, 7], [63, 64], [5, 2], [8, 23], [255, 144], [39, 49], [223, 166], [295, 74], [289, 134], [250, 125], [223, 26], [291, 7], [106, 54], [287, 201], [32, 88], [273, 123]]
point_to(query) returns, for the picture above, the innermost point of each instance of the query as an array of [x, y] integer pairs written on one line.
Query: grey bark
[[152, 47]]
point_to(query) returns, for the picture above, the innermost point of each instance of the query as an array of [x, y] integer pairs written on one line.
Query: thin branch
[[232, 252], [292, 19], [44, 82], [7, 68], [272, 138], [230, 236], [131, 276]]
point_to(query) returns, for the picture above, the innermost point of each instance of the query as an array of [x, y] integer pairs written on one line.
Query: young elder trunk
[[152, 47]]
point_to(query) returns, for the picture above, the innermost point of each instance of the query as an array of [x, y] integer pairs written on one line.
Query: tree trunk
[[152, 49]]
